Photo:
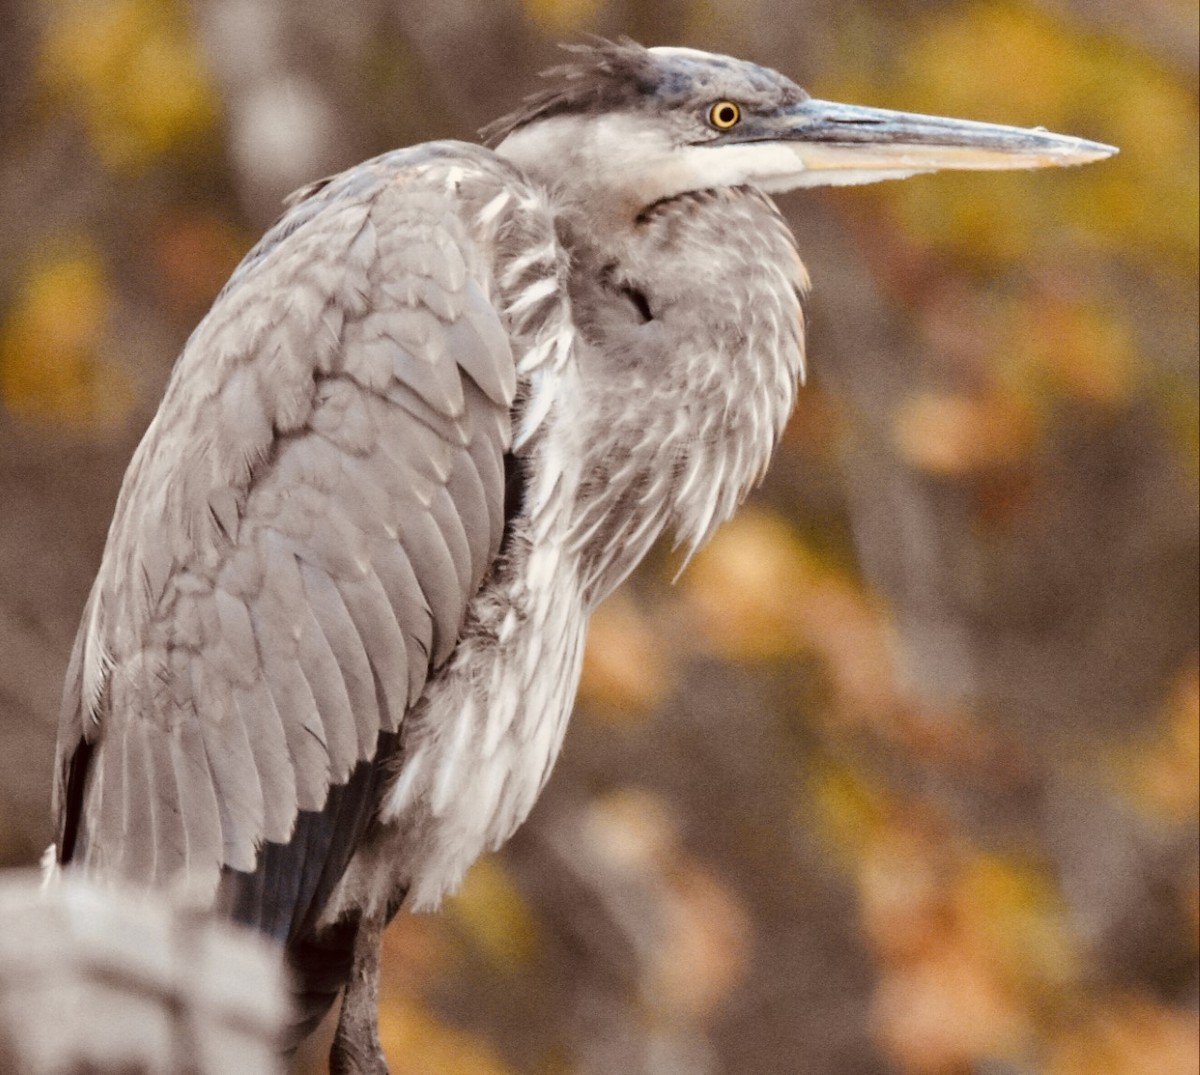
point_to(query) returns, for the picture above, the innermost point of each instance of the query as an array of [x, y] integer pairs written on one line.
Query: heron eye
[[724, 114]]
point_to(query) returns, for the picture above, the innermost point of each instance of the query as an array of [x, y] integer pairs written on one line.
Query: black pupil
[[726, 114]]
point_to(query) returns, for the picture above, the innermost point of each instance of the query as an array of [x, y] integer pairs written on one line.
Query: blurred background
[[901, 776]]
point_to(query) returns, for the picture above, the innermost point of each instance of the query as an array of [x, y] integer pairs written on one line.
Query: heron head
[[638, 125]]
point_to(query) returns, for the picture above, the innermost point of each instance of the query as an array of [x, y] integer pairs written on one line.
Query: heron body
[[439, 412]]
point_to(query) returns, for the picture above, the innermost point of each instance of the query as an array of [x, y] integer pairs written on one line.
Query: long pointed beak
[[837, 143]]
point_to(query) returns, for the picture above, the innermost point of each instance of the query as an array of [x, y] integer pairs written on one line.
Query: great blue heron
[[442, 409]]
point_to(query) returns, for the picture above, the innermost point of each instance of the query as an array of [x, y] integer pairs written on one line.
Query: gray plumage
[[438, 413]]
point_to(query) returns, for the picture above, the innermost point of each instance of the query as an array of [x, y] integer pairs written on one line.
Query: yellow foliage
[[495, 916], [1130, 1036], [633, 831], [562, 17], [946, 997], [415, 949], [132, 70], [701, 952], [1163, 777], [757, 593], [1002, 58], [417, 1042], [974, 948], [1082, 350], [1010, 915], [1009, 62], [51, 368], [901, 886], [851, 811]]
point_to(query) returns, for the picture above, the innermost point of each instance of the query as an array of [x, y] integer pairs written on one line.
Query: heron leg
[[356, 1049]]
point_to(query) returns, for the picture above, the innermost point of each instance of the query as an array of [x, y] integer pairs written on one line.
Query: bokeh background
[[901, 776]]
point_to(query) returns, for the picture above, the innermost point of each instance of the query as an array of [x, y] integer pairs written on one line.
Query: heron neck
[[691, 332]]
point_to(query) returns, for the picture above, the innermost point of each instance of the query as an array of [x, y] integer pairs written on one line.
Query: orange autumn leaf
[[941, 1014], [626, 666], [1162, 777], [950, 435], [757, 593], [743, 587], [706, 947], [901, 894], [1129, 1036]]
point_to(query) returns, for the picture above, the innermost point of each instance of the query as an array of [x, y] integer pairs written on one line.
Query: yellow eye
[[724, 114]]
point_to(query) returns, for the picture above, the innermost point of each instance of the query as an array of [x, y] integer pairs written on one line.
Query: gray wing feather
[[330, 612], [454, 534], [300, 530], [303, 731], [198, 804], [426, 549], [141, 803], [489, 465], [268, 745], [238, 784], [170, 830], [102, 837], [331, 691], [408, 604], [383, 643], [481, 346], [438, 384], [466, 491], [414, 405]]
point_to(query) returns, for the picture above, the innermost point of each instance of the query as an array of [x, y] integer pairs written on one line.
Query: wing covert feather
[[103, 835], [268, 745], [331, 691], [331, 614], [412, 611], [297, 538], [382, 640], [142, 802]]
